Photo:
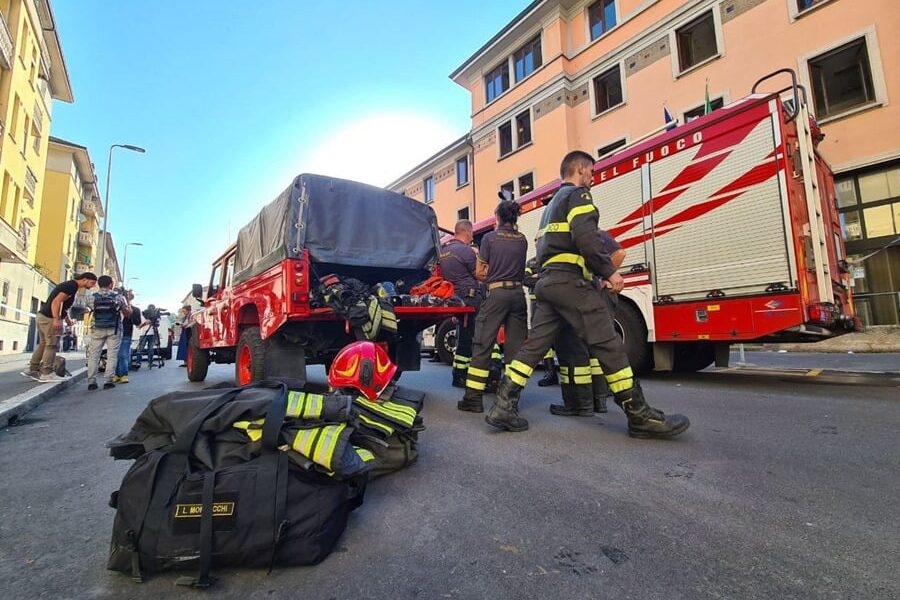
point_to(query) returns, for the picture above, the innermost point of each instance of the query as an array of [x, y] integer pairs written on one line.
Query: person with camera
[[107, 307], [150, 340], [123, 360], [49, 323]]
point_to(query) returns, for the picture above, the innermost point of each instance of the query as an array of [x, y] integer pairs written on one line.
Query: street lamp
[[129, 279], [106, 201], [125, 259]]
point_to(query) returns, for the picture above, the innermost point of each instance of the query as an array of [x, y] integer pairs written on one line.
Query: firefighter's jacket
[[568, 235]]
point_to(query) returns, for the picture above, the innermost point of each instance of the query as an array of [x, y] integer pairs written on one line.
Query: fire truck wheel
[[630, 326], [691, 357], [197, 359], [445, 341], [249, 364]]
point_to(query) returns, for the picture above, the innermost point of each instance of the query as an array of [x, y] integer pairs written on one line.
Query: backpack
[[106, 311]]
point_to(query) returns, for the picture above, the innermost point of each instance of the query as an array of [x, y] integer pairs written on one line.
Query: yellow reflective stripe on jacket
[[324, 454], [304, 405], [253, 429], [397, 412], [554, 228], [364, 454], [569, 258], [580, 210], [376, 424]]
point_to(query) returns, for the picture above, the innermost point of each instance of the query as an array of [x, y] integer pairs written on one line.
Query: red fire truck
[[731, 231]]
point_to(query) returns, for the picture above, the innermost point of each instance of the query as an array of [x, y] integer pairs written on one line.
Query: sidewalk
[[20, 394], [875, 339]]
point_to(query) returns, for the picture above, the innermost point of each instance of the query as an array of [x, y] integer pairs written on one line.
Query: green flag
[[707, 107]]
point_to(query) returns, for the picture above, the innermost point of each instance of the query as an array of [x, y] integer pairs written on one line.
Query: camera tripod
[[149, 345]]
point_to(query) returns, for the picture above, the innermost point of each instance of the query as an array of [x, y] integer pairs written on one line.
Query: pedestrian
[[108, 307], [184, 319], [571, 254], [123, 358], [458, 261], [49, 322], [501, 265]]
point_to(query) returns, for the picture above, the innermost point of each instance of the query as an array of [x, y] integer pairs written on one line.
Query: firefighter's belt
[[507, 285]]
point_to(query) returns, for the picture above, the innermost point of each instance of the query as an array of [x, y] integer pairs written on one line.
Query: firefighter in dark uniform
[[571, 255], [501, 265], [458, 261], [584, 389]]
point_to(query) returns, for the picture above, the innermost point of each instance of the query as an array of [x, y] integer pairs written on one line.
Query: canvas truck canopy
[[342, 224]]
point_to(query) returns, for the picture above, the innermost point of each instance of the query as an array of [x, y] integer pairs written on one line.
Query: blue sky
[[231, 102]]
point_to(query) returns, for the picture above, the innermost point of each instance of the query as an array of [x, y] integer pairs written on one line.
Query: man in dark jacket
[[123, 360], [458, 262]]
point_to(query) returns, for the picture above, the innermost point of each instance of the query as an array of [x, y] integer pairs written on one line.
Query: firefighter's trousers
[[465, 331], [565, 298], [502, 306]]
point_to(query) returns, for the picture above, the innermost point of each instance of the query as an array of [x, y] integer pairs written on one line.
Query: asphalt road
[[778, 490]]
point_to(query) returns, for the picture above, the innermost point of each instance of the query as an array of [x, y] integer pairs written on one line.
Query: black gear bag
[[261, 512]]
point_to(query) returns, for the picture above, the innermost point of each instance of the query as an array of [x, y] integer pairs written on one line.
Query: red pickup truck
[[260, 310]]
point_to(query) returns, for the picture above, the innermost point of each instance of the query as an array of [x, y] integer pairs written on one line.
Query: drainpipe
[[472, 168]]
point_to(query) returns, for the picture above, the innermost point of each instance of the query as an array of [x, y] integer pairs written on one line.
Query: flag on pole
[[670, 122], [707, 106]]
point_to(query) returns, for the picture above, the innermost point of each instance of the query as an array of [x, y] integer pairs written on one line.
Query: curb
[[13, 409]]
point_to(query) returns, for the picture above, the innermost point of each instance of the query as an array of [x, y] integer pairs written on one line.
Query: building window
[[715, 104], [527, 58], [428, 186], [842, 79], [497, 81], [608, 90], [803, 5], [15, 345], [869, 204], [526, 184], [19, 293], [504, 133], [601, 17], [696, 41], [462, 171], [4, 298], [610, 148], [1, 345], [523, 128], [462, 214], [508, 190]]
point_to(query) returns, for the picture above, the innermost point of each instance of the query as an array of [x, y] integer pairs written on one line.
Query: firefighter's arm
[[481, 270], [583, 219], [618, 257]]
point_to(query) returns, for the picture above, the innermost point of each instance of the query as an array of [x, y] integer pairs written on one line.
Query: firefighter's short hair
[[463, 226], [572, 160]]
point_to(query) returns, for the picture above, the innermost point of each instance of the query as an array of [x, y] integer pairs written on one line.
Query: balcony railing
[[89, 208], [30, 181], [81, 267], [12, 246], [85, 238], [38, 118], [6, 45]]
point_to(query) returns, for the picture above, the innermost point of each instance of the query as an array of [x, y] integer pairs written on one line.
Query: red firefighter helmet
[[363, 366]]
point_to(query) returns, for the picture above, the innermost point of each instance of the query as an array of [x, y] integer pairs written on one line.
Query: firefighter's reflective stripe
[[391, 411], [253, 429], [302, 405], [371, 328], [596, 369], [365, 455], [519, 372], [387, 429], [476, 378], [554, 228], [563, 374], [580, 210], [388, 320], [620, 381], [549, 354], [569, 259], [461, 362], [318, 443], [581, 375], [496, 354]]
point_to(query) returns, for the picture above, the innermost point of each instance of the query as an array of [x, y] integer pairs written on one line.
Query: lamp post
[[125, 258], [106, 201], [129, 279]]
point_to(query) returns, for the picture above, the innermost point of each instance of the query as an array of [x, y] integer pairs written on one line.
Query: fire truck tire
[[445, 340], [197, 359], [630, 326], [691, 357], [249, 363]]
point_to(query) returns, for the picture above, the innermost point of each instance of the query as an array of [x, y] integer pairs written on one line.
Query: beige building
[[596, 75]]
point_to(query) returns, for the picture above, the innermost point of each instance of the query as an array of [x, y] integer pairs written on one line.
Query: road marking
[[814, 372]]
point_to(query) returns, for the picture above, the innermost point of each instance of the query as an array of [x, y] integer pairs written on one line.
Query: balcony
[[30, 182], [89, 208], [6, 45], [81, 268], [86, 238], [12, 246], [38, 119]]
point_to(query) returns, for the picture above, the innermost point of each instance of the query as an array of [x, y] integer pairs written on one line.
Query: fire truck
[[731, 233]]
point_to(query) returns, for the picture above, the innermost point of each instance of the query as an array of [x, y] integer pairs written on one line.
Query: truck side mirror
[[197, 291]]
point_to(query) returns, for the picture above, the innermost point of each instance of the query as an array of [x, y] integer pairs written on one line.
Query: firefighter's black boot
[[459, 377], [578, 401], [504, 414], [550, 377], [601, 392], [472, 401], [645, 421]]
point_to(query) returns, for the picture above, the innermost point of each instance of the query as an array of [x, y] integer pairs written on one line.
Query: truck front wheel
[[249, 365], [691, 357], [197, 358], [445, 340]]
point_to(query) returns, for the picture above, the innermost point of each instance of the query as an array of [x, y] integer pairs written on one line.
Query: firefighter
[[571, 255], [501, 265], [458, 261]]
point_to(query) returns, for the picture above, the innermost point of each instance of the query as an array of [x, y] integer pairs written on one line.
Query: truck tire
[[629, 324], [691, 357], [250, 361], [445, 340], [197, 359]]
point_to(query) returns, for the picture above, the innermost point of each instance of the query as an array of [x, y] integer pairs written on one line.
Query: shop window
[[714, 104], [608, 90], [526, 184], [879, 221], [880, 185], [428, 186], [610, 148], [527, 58], [846, 193], [851, 226], [601, 17], [523, 128], [842, 79], [462, 171], [497, 81], [696, 41]]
